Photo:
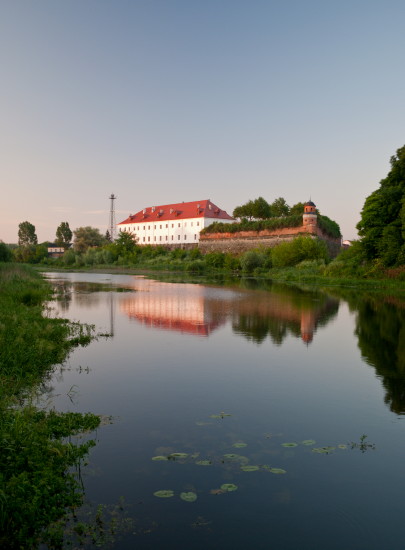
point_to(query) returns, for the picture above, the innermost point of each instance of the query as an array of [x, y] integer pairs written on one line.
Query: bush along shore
[[38, 485], [303, 259]]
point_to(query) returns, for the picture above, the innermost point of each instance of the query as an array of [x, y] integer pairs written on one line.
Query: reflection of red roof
[[191, 327], [179, 211]]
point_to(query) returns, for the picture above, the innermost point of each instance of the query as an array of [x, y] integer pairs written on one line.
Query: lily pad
[[228, 487], [342, 446], [308, 442], [292, 444], [239, 445], [160, 457], [188, 497], [164, 493], [250, 468], [323, 450], [236, 458], [204, 463], [278, 471], [177, 455]]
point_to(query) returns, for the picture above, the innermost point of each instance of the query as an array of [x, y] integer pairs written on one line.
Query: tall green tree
[[262, 209], [246, 210], [125, 243], [297, 209], [280, 208], [382, 223], [87, 237], [258, 209], [26, 234], [63, 234]]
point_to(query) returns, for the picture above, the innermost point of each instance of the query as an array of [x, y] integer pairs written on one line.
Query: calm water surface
[[210, 371]]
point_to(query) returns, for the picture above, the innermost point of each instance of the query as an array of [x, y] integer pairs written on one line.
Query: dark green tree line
[[382, 223]]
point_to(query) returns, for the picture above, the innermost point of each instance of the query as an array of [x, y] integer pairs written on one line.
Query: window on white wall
[[185, 237], [178, 237]]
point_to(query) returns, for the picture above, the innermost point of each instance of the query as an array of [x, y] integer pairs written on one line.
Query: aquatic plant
[[249, 468], [164, 493], [308, 442], [363, 445], [236, 458], [277, 471], [204, 463], [239, 445], [323, 450], [228, 487], [289, 444], [159, 457], [188, 497], [173, 456], [220, 415]]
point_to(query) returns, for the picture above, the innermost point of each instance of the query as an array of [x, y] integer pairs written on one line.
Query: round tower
[[309, 217]]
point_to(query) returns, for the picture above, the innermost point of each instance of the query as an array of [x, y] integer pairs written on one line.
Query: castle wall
[[237, 243]]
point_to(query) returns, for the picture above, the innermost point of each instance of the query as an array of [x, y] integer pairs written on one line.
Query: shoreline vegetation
[[39, 461], [302, 261]]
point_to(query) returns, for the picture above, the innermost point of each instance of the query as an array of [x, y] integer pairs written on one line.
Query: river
[[246, 415]]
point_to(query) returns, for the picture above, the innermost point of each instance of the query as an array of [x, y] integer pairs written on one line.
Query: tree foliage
[[87, 237], [280, 208], [382, 223], [5, 253], [63, 234], [26, 234], [125, 243]]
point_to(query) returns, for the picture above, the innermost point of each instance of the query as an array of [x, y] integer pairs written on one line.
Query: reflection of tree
[[380, 328], [282, 311]]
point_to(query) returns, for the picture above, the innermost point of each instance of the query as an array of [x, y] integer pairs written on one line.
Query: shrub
[[299, 249], [251, 260], [5, 253], [215, 259]]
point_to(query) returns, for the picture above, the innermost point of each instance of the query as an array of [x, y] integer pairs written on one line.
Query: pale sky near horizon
[[164, 101]]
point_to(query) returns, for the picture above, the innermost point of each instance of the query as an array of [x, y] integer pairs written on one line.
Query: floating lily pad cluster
[[189, 496], [235, 462]]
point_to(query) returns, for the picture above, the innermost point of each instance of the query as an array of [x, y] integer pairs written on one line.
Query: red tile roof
[[179, 211]]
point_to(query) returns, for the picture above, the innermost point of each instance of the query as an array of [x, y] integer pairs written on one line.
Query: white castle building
[[173, 224]]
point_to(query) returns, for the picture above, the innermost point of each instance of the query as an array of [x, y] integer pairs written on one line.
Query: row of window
[[167, 225], [166, 238]]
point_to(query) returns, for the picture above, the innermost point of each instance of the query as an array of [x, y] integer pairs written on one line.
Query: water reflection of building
[[197, 309], [282, 312], [182, 308]]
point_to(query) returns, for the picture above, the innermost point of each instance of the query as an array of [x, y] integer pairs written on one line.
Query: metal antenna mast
[[112, 217]]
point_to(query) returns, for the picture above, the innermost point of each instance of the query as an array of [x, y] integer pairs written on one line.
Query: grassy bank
[[37, 483]]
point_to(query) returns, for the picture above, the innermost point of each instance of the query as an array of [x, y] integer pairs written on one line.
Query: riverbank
[[308, 273], [37, 485]]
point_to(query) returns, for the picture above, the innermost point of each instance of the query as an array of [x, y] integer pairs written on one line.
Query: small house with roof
[[173, 224]]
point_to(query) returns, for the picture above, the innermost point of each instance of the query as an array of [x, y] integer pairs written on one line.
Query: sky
[[164, 101]]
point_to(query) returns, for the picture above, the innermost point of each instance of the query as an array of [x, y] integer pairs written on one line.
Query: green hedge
[[327, 225]]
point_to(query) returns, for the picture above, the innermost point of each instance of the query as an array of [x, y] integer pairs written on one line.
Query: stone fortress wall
[[239, 242]]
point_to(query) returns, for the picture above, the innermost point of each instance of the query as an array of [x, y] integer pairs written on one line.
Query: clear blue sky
[[162, 101]]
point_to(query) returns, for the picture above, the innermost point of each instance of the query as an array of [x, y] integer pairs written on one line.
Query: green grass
[[37, 483]]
